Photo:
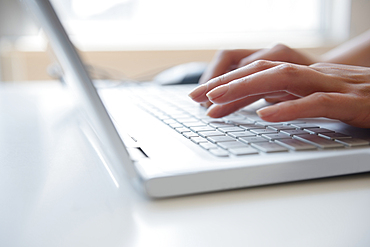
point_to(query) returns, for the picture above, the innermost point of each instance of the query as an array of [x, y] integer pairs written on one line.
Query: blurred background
[[139, 38]]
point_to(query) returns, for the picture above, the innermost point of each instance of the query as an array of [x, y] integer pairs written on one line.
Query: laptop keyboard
[[241, 133]]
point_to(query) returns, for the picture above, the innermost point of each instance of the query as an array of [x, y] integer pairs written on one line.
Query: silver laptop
[[162, 141]]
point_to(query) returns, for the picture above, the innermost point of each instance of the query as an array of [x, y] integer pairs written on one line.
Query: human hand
[[228, 60], [321, 90]]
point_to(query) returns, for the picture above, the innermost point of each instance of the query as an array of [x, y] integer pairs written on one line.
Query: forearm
[[353, 52]]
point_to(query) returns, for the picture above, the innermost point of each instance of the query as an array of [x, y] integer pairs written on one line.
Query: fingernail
[[267, 111], [218, 92], [213, 111], [198, 91]]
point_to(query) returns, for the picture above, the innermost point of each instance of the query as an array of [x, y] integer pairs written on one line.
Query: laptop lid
[[78, 80]]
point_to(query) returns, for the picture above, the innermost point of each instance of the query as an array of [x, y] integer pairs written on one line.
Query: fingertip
[[198, 94], [215, 111], [268, 111], [284, 111], [274, 113], [217, 92]]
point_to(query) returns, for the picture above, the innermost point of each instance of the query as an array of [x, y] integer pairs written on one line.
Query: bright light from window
[[190, 24], [88, 8]]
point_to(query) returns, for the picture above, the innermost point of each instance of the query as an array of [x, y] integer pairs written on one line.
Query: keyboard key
[[265, 124], [243, 151], [244, 121], [176, 125], [263, 131], [319, 141], [199, 113], [334, 135], [304, 126], [162, 116], [182, 130], [254, 118], [198, 139], [169, 121], [208, 120], [269, 147], [250, 126], [194, 124], [232, 144], [219, 124], [208, 145], [190, 134], [230, 129], [294, 132], [353, 142], [241, 134], [219, 152], [178, 115], [318, 130], [216, 139], [211, 133], [293, 122], [253, 139], [187, 119], [281, 127], [234, 118], [202, 128], [295, 144], [276, 136]]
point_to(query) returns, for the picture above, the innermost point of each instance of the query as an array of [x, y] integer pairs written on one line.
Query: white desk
[[55, 191]]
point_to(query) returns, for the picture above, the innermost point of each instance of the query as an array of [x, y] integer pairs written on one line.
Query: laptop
[[164, 143]]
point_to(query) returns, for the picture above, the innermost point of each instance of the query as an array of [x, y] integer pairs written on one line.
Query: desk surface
[[55, 191]]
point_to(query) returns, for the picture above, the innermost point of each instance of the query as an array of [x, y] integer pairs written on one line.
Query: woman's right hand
[[334, 91]]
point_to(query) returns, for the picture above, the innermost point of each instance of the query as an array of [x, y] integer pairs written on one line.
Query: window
[[202, 24]]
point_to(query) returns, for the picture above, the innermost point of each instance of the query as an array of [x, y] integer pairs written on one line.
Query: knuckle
[[288, 69], [362, 90], [284, 53], [222, 79], [319, 65], [261, 64], [281, 47], [323, 99]]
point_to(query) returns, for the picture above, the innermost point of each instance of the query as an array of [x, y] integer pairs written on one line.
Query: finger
[[222, 62], [283, 97], [217, 111], [295, 79], [234, 106], [199, 93], [330, 105]]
